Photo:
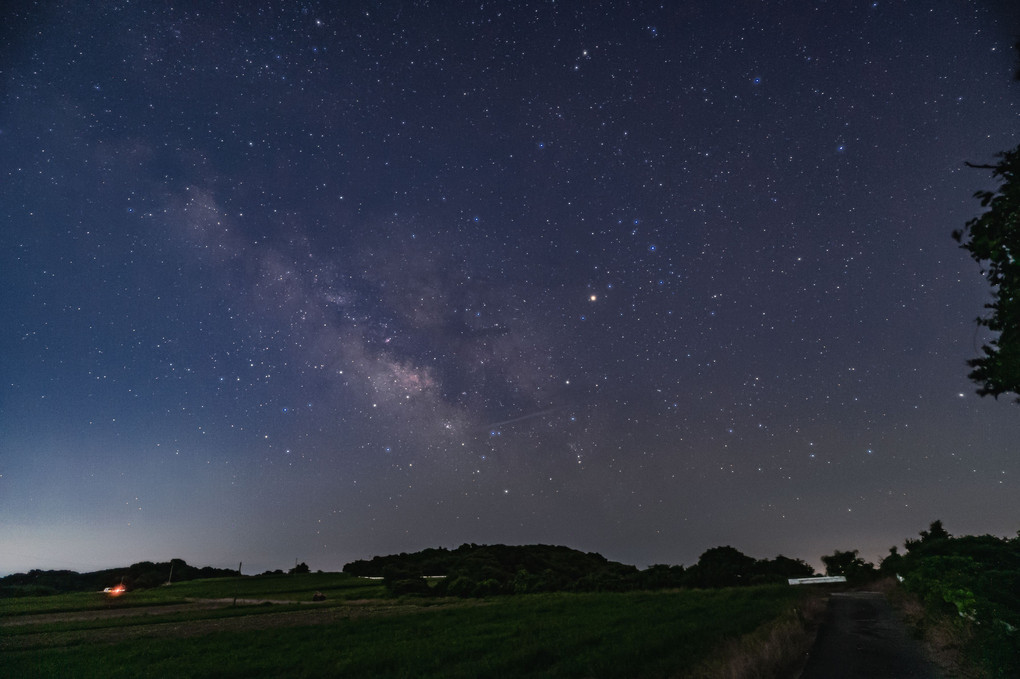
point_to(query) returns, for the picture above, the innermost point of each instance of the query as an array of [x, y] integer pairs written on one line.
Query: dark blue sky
[[319, 283]]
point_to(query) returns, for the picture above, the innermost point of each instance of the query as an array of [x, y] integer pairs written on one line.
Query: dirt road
[[862, 637]]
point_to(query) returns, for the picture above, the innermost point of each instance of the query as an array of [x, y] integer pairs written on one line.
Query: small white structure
[[824, 580]]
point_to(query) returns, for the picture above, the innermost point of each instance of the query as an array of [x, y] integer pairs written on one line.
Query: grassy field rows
[[359, 632]]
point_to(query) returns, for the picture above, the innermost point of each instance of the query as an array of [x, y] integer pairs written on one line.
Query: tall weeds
[[776, 650]]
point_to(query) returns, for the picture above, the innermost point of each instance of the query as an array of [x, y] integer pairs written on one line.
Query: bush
[[462, 587], [416, 586]]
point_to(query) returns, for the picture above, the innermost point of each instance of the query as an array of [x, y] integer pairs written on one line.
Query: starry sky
[[322, 281]]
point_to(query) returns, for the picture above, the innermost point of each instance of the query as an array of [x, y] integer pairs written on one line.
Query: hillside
[[136, 576]]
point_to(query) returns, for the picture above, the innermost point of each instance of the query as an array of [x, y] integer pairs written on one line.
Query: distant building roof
[[825, 579]]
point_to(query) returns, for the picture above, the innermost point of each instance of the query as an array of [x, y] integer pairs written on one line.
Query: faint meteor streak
[[529, 416]]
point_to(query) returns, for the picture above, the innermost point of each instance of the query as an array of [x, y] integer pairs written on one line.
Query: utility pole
[[239, 567]]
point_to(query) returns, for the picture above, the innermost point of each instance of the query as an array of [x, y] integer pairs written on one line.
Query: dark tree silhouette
[[848, 564], [891, 564], [935, 532], [993, 240], [721, 567]]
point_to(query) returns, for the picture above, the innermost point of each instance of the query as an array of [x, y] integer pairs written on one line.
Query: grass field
[[359, 632]]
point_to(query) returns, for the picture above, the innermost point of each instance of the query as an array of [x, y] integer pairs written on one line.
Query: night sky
[[327, 281]]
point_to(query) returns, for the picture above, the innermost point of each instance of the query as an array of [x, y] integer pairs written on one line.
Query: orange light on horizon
[[116, 591]]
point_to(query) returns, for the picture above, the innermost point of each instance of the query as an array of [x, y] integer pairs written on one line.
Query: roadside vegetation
[[969, 588]]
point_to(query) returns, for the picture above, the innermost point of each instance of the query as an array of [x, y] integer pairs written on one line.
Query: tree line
[[482, 570], [141, 575]]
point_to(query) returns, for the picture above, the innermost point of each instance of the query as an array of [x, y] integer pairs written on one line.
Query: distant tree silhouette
[[783, 568], [935, 532], [721, 567], [661, 576], [139, 575], [472, 569], [300, 568], [849, 565], [892, 562]]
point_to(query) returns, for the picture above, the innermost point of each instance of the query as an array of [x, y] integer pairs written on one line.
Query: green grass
[[149, 619], [84, 601], [637, 634], [298, 587]]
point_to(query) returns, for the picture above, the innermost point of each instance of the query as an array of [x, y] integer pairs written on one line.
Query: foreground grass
[[638, 634]]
